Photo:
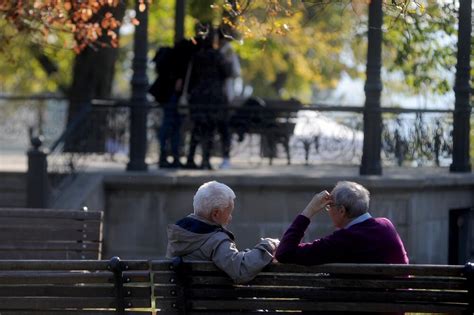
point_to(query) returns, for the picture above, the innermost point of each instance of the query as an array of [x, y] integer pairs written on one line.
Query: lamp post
[[138, 102], [371, 164], [462, 89], [179, 15]]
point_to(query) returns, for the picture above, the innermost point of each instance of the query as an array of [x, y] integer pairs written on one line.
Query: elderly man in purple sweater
[[359, 238]]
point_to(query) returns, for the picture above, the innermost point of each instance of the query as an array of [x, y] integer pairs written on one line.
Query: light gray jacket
[[219, 247]]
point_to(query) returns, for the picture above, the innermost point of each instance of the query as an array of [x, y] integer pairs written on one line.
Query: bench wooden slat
[[39, 234], [75, 312], [372, 269], [49, 222], [68, 277], [56, 245], [251, 304], [294, 280], [55, 277], [71, 291], [168, 292], [49, 213], [28, 303], [48, 254], [13, 265], [136, 276], [348, 269], [316, 294]]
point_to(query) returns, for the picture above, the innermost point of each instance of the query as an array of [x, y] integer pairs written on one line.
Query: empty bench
[[74, 287], [273, 120], [200, 288], [50, 234]]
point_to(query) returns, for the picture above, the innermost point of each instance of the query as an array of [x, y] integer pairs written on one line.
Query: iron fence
[[99, 135]]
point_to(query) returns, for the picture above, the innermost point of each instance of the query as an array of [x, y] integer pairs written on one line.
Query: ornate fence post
[[371, 163], [37, 182], [462, 88]]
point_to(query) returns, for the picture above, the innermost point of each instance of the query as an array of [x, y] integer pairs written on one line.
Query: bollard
[[37, 182]]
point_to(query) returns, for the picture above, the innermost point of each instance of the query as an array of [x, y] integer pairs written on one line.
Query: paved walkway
[[240, 168]]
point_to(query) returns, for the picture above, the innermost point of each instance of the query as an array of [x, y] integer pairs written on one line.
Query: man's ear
[[214, 213], [343, 211]]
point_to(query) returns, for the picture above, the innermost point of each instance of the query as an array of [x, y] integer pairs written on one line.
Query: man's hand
[[178, 86], [316, 204], [271, 242]]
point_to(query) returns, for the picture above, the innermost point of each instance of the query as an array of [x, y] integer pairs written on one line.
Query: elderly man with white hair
[[203, 236], [360, 238]]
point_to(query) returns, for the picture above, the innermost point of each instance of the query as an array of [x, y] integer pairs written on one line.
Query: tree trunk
[[93, 74]]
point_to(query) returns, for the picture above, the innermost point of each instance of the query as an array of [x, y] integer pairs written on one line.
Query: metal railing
[[287, 133]]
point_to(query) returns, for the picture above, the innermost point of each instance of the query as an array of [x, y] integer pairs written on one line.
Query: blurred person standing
[[208, 103], [171, 64], [230, 86]]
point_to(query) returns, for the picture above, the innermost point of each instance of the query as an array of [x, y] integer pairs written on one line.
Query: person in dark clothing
[[171, 66], [207, 101], [360, 238]]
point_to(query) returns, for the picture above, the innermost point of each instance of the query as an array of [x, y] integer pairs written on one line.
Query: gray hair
[[353, 196], [210, 196]]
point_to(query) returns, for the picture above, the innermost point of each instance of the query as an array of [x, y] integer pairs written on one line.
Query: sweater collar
[[359, 219]]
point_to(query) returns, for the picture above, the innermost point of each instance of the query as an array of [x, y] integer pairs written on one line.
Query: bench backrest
[[74, 287], [190, 287], [129, 287], [50, 234]]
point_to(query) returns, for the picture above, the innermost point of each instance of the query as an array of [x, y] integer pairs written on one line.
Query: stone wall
[[138, 208], [12, 189]]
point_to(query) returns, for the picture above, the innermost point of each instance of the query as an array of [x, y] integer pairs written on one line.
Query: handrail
[[324, 107]]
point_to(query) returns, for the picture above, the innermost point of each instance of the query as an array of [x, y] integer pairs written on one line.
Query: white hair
[[212, 195], [353, 196]]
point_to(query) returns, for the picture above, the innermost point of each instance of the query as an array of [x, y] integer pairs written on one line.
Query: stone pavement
[[258, 167]]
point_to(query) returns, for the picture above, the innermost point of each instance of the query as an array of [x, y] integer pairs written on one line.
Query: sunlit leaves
[[306, 57], [40, 18], [425, 47], [247, 18]]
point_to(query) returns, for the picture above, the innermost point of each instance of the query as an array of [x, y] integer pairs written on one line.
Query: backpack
[[163, 87]]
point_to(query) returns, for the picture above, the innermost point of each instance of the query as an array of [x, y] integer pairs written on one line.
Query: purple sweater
[[372, 241]]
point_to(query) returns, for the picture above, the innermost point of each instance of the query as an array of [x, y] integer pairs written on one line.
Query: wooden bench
[[50, 234], [200, 288], [74, 287], [169, 287], [273, 120]]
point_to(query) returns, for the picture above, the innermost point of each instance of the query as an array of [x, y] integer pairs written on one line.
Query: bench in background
[[50, 234], [200, 288], [273, 120]]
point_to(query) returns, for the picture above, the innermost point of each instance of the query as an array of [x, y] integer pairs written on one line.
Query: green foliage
[[202, 10], [423, 47], [283, 53], [161, 23], [19, 67], [307, 56]]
